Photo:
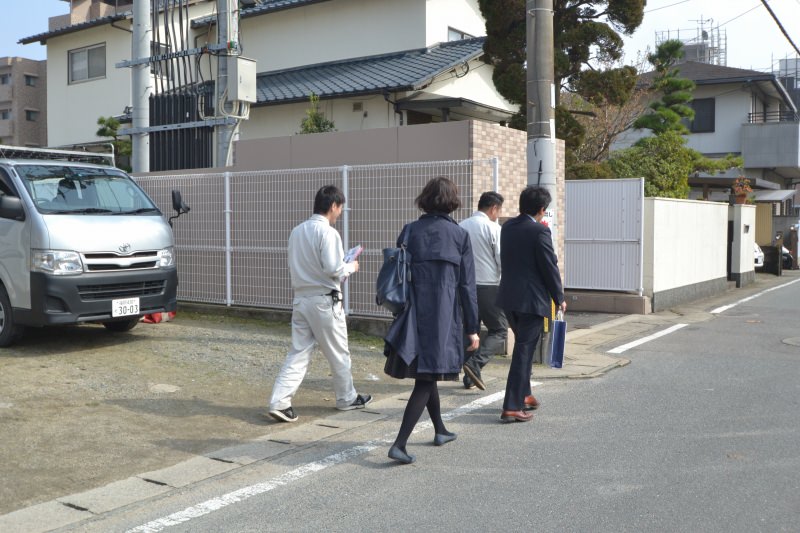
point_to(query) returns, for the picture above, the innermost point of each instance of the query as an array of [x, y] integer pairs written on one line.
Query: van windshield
[[78, 190]]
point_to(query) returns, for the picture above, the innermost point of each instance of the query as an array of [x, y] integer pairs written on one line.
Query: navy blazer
[[444, 306], [530, 278]]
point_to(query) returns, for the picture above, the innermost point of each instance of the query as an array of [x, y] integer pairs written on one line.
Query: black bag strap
[[405, 234]]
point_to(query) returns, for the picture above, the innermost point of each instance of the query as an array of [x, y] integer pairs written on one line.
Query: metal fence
[[604, 234], [232, 246]]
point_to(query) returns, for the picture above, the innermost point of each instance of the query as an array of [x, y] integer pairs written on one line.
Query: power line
[[778, 22], [675, 4], [741, 15]]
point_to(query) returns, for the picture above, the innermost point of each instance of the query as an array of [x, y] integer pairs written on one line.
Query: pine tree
[[669, 111], [586, 37]]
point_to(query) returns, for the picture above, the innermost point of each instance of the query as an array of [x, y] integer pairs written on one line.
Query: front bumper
[[87, 297]]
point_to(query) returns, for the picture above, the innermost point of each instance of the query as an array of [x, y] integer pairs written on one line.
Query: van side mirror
[[11, 208], [178, 205]]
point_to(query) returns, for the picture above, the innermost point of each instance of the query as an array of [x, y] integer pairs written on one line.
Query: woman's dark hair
[[532, 199], [490, 199], [440, 195], [326, 197]]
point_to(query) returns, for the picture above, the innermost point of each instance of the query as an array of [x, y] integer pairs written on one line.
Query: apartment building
[[23, 102]]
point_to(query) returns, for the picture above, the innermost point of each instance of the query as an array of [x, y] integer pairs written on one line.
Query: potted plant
[[741, 188]]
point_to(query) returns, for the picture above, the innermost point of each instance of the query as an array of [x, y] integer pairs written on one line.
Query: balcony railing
[[773, 116]]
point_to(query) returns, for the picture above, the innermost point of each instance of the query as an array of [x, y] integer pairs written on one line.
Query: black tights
[[425, 394]]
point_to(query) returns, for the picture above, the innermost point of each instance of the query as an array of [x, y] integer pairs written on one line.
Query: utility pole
[[140, 85], [541, 93], [227, 41]]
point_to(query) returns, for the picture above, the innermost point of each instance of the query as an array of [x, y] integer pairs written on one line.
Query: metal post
[[140, 85], [346, 233], [541, 90], [228, 247], [227, 38]]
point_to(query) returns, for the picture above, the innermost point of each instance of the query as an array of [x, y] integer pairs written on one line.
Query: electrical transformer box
[[242, 79]]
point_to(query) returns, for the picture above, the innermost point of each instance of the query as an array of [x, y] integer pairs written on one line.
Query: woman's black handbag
[[393, 285]]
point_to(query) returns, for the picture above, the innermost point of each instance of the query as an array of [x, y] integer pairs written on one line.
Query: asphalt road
[[699, 433]]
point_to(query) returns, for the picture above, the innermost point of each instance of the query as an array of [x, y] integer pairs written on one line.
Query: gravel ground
[[81, 407]]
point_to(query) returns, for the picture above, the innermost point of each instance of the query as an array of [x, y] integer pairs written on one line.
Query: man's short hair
[[440, 195], [326, 197], [532, 199], [490, 199]]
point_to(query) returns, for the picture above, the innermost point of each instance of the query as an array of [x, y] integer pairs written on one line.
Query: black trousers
[[496, 323], [527, 329]]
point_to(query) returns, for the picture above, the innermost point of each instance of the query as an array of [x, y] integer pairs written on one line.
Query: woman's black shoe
[[400, 455]]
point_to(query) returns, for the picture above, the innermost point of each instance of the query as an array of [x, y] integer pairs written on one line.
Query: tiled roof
[[699, 72], [705, 72], [408, 70], [42, 37], [264, 7]]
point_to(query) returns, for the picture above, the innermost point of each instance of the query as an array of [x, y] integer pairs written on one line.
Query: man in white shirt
[[317, 267], [484, 232]]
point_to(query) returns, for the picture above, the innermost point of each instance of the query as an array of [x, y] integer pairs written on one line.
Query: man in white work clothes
[[317, 268], [484, 235]]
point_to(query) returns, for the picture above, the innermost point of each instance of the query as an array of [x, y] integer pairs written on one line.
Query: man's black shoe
[[474, 373], [468, 384], [360, 402], [284, 415]]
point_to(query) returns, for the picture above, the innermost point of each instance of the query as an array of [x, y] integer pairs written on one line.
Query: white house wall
[[477, 86], [73, 109], [318, 33], [332, 31], [445, 14], [281, 120], [732, 104]]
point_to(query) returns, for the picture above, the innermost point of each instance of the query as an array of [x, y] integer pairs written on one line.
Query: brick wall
[[510, 146]]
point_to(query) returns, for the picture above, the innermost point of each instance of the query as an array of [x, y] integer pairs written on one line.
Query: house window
[[31, 115], [162, 68], [5, 114], [5, 79], [30, 81], [703, 115], [87, 63], [457, 35]]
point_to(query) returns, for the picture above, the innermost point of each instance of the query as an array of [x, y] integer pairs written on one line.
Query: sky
[[754, 41], [23, 18]]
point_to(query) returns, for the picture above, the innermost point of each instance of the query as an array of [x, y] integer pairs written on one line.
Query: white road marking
[[215, 504], [724, 308], [625, 347]]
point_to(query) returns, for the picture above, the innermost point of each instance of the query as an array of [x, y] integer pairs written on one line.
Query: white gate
[[603, 234]]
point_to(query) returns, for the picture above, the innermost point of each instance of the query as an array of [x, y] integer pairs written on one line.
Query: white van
[[79, 242]]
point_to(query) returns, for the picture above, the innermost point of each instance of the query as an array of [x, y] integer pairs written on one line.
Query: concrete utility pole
[[140, 85], [228, 41], [541, 91]]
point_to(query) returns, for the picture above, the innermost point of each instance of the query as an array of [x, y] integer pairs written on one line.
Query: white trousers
[[315, 322]]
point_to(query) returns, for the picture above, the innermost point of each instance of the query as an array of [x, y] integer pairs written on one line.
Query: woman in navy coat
[[426, 341]]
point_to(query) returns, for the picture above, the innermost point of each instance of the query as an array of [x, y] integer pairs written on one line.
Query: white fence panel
[[603, 234], [232, 246]]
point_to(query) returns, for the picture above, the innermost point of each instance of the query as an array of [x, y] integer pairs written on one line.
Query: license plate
[[125, 307]]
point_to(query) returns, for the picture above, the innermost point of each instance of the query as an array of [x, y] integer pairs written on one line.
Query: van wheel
[[9, 331], [121, 326]]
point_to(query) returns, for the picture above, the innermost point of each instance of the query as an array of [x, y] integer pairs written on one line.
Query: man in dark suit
[[530, 283]]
